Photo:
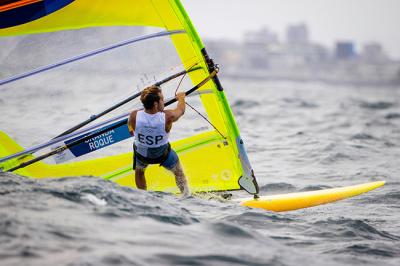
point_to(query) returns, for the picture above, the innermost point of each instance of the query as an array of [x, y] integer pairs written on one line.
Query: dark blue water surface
[[299, 136]]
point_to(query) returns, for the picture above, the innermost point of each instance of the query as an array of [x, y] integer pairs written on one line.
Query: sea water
[[299, 137]]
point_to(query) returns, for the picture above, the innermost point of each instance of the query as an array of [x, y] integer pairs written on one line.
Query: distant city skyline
[[329, 21]]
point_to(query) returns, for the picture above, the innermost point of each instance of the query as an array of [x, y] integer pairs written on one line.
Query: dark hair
[[150, 95]]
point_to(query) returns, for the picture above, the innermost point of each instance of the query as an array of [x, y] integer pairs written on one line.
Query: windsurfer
[[151, 128]]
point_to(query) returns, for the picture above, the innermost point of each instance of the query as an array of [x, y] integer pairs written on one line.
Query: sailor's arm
[[132, 122], [174, 114]]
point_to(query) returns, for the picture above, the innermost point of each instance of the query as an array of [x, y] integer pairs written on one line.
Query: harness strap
[[158, 160]]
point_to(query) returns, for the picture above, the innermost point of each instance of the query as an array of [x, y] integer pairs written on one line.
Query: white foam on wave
[[94, 200]]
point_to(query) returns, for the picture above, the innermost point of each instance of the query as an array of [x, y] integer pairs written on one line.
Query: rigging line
[[88, 54], [205, 118], [183, 77], [95, 134]]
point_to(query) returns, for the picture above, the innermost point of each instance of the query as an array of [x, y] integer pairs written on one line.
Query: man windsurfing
[[151, 127]]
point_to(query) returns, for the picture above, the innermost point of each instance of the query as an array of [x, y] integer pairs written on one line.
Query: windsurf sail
[[213, 157]]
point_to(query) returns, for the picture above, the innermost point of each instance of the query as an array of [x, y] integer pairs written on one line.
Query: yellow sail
[[212, 160]]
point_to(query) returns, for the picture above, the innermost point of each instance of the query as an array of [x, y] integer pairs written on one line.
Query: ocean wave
[[252, 218], [116, 259], [336, 157], [315, 187], [388, 198], [365, 249], [353, 229], [239, 104], [230, 230], [281, 186], [362, 136], [209, 259], [378, 105], [297, 102], [390, 116], [108, 199]]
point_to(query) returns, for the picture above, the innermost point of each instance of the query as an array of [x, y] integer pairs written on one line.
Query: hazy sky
[[328, 20]]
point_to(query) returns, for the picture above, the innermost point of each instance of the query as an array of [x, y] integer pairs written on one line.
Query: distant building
[[261, 55], [297, 34], [264, 36], [344, 50], [226, 53], [258, 47], [374, 53]]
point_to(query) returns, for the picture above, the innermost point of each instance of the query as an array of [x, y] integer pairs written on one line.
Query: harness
[[158, 160]]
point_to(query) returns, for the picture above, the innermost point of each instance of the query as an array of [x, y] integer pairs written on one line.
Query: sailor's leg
[[140, 179], [173, 164], [180, 179]]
